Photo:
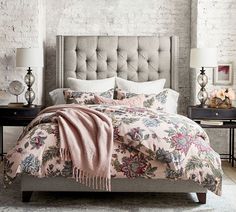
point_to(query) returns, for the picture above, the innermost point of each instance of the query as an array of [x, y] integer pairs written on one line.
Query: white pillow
[[172, 101], [100, 85], [57, 96], [151, 87]]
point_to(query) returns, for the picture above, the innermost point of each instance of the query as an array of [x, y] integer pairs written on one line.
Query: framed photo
[[223, 74]]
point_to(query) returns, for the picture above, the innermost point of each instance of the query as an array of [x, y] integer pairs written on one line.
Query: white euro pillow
[[57, 96], [140, 87], [100, 85], [171, 105]]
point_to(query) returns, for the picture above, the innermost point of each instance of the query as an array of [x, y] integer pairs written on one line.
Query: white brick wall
[[215, 27], [19, 27]]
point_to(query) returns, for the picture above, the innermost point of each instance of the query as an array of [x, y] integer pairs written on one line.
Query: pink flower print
[[136, 134], [134, 166], [37, 141], [182, 142], [201, 146]]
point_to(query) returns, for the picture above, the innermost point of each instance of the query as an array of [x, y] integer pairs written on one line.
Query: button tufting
[[158, 71]]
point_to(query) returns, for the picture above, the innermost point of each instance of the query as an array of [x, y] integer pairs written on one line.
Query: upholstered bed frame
[[136, 58]]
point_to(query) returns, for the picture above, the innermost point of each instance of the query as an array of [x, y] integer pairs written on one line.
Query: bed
[[123, 55]]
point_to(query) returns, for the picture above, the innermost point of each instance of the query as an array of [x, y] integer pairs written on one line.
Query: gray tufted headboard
[[136, 58]]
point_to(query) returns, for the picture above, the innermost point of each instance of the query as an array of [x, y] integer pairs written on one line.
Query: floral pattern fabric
[[152, 101], [147, 144], [84, 98]]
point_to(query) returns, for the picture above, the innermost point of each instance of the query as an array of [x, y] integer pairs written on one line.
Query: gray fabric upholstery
[[136, 58], [30, 183]]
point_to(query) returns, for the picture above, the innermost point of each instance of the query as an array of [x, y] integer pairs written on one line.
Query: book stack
[[211, 122]]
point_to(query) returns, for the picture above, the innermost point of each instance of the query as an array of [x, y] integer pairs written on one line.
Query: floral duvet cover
[[147, 144]]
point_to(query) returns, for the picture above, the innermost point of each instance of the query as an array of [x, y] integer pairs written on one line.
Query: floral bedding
[[147, 144]]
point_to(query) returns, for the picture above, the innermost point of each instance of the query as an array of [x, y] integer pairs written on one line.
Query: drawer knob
[[15, 113], [217, 114]]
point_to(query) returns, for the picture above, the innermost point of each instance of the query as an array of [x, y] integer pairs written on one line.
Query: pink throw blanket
[[86, 138]]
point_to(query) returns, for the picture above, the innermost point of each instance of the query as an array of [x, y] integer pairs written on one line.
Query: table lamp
[[203, 58], [29, 57]]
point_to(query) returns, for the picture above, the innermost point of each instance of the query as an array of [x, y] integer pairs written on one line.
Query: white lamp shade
[[29, 57], [203, 57]]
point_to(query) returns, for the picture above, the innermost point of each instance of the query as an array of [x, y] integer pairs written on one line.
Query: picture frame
[[223, 74]]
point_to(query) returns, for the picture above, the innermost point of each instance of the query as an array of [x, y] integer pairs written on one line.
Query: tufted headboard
[[136, 58]]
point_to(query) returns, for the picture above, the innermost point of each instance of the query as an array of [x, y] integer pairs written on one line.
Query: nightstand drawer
[[211, 113], [25, 112], [18, 116]]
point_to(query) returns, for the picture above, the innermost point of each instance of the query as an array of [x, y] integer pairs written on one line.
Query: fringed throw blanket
[[86, 139]]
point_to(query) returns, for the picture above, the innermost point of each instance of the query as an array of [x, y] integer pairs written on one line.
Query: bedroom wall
[[121, 17], [215, 26], [21, 25], [196, 22]]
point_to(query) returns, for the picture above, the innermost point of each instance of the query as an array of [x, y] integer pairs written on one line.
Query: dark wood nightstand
[[228, 118], [16, 116]]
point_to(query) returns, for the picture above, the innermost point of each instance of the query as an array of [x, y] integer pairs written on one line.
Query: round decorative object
[[16, 87]]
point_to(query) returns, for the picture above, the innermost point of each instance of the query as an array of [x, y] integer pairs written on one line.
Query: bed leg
[[26, 195], [201, 198]]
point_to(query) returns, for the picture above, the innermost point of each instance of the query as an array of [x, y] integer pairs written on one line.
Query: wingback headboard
[[136, 58]]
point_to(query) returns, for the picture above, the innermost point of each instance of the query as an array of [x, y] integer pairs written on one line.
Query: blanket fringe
[[96, 182], [65, 154]]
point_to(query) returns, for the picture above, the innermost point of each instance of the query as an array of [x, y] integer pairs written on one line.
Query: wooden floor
[[229, 173]]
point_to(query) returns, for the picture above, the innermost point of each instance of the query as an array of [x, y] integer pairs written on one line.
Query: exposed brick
[[19, 27], [215, 26]]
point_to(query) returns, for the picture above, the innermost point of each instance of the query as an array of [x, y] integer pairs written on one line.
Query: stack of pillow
[[150, 94]]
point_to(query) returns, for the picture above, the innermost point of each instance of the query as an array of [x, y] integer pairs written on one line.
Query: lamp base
[[202, 106], [202, 95], [29, 94], [30, 105]]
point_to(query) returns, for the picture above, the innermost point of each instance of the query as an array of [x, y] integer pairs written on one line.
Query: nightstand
[[228, 118], [16, 116]]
